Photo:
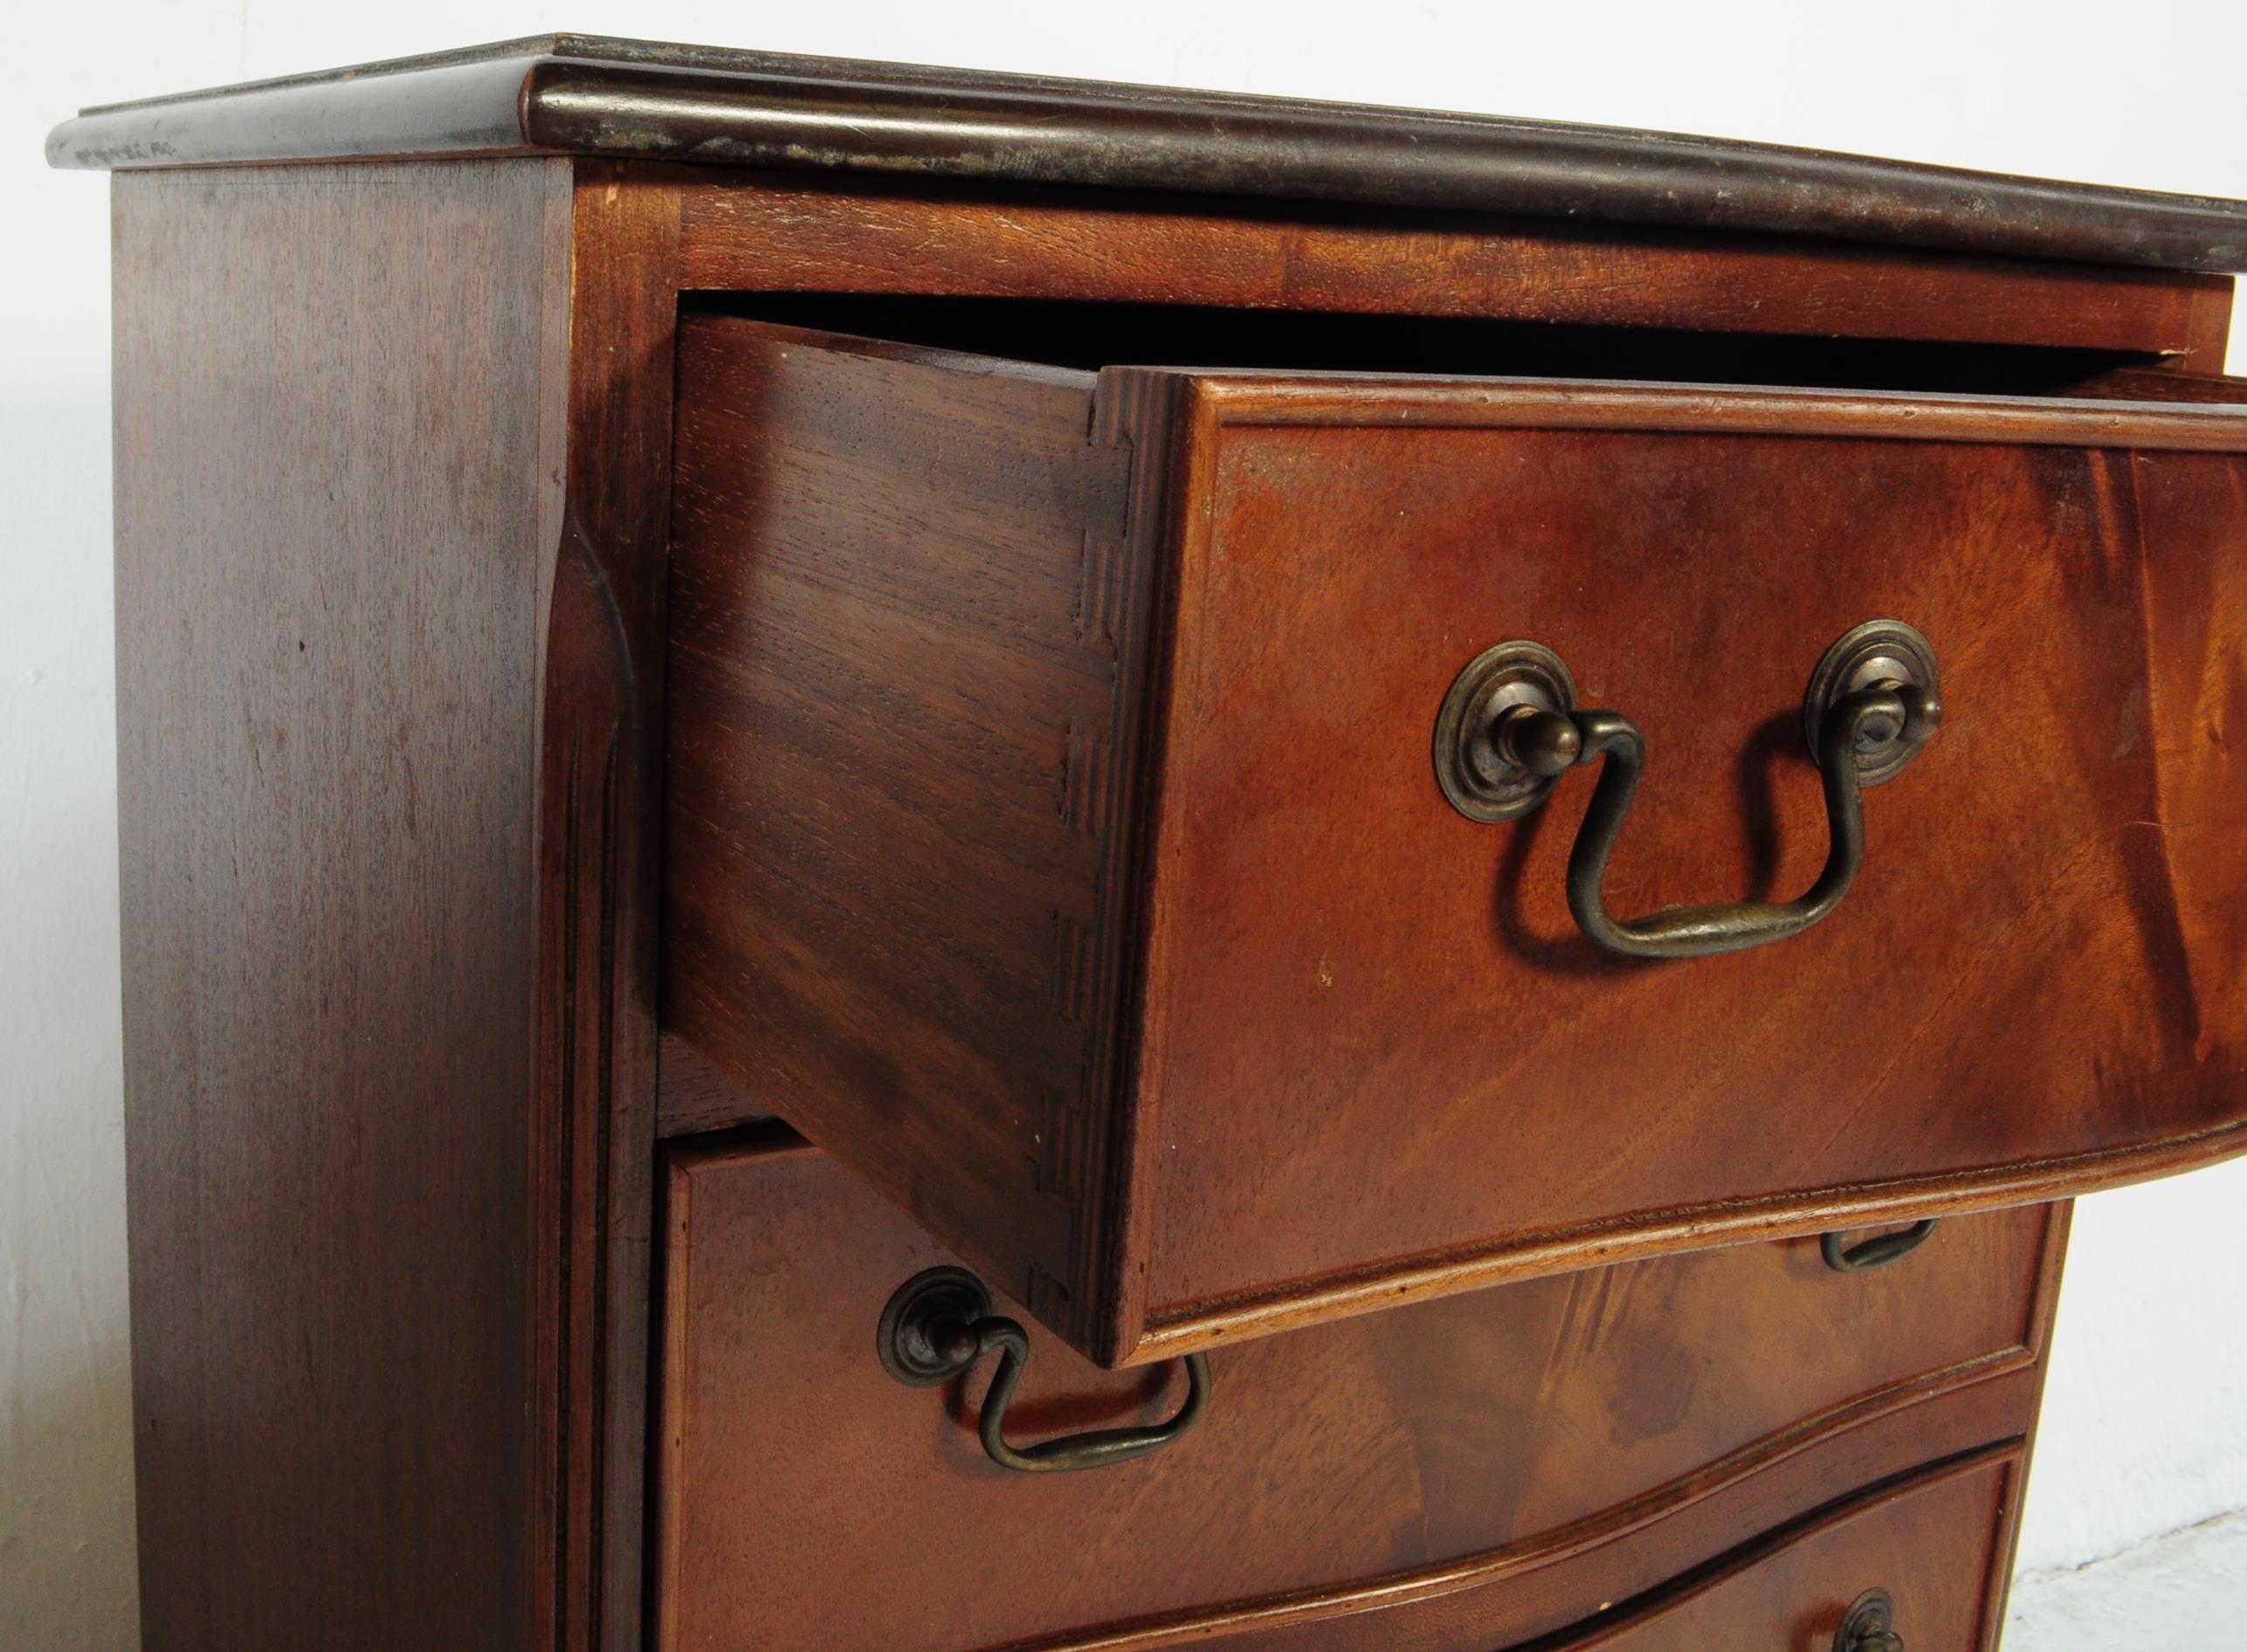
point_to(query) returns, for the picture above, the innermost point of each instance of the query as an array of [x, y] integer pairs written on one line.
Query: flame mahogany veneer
[[1501, 1463]]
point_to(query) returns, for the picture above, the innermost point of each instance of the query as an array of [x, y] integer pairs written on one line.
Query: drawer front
[[1934, 1547], [1594, 1434], [1053, 835], [1374, 1032]]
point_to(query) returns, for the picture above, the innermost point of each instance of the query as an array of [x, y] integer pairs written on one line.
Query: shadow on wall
[[66, 1542], [66, 1550]]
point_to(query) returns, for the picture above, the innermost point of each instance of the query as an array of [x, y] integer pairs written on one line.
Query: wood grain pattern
[[2089, 963], [1505, 1605], [1357, 1033], [1514, 1607], [2209, 333], [390, 667], [927, 664], [693, 1098], [332, 512], [600, 660], [2164, 384], [1418, 1459], [752, 231], [1247, 400], [1932, 1542]]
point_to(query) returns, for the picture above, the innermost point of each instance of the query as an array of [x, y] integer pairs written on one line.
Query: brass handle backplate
[[1510, 728], [1869, 1624], [938, 1322]]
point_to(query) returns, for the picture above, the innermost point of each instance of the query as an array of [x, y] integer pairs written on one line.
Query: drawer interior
[[1604, 1431], [1086, 335]]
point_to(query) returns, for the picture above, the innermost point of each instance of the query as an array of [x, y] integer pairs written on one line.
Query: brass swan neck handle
[[1510, 728], [938, 1322]]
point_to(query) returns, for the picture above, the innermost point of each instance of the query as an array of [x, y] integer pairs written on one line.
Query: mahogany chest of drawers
[[842, 786]]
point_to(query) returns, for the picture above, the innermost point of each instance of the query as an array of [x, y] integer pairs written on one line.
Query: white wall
[[2145, 1426]]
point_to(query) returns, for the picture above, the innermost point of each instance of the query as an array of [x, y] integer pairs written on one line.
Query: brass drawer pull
[[939, 1322], [1869, 1624], [1876, 1252], [1509, 728]]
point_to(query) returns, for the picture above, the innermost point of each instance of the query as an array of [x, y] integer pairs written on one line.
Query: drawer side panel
[[899, 655]]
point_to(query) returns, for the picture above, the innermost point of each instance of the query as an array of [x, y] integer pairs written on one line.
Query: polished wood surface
[[932, 882], [1932, 1543], [1413, 1458], [693, 1096], [327, 709], [1523, 1604], [1386, 973], [753, 232], [1355, 1034], [648, 100], [599, 657], [388, 670]]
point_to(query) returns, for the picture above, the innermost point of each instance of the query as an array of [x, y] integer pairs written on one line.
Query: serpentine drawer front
[[1133, 820], [1914, 1545], [1459, 1473]]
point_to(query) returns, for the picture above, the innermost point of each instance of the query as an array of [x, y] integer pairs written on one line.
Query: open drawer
[[1085, 823]]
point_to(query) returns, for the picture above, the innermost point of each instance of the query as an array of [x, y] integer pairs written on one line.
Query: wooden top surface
[[568, 94]]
